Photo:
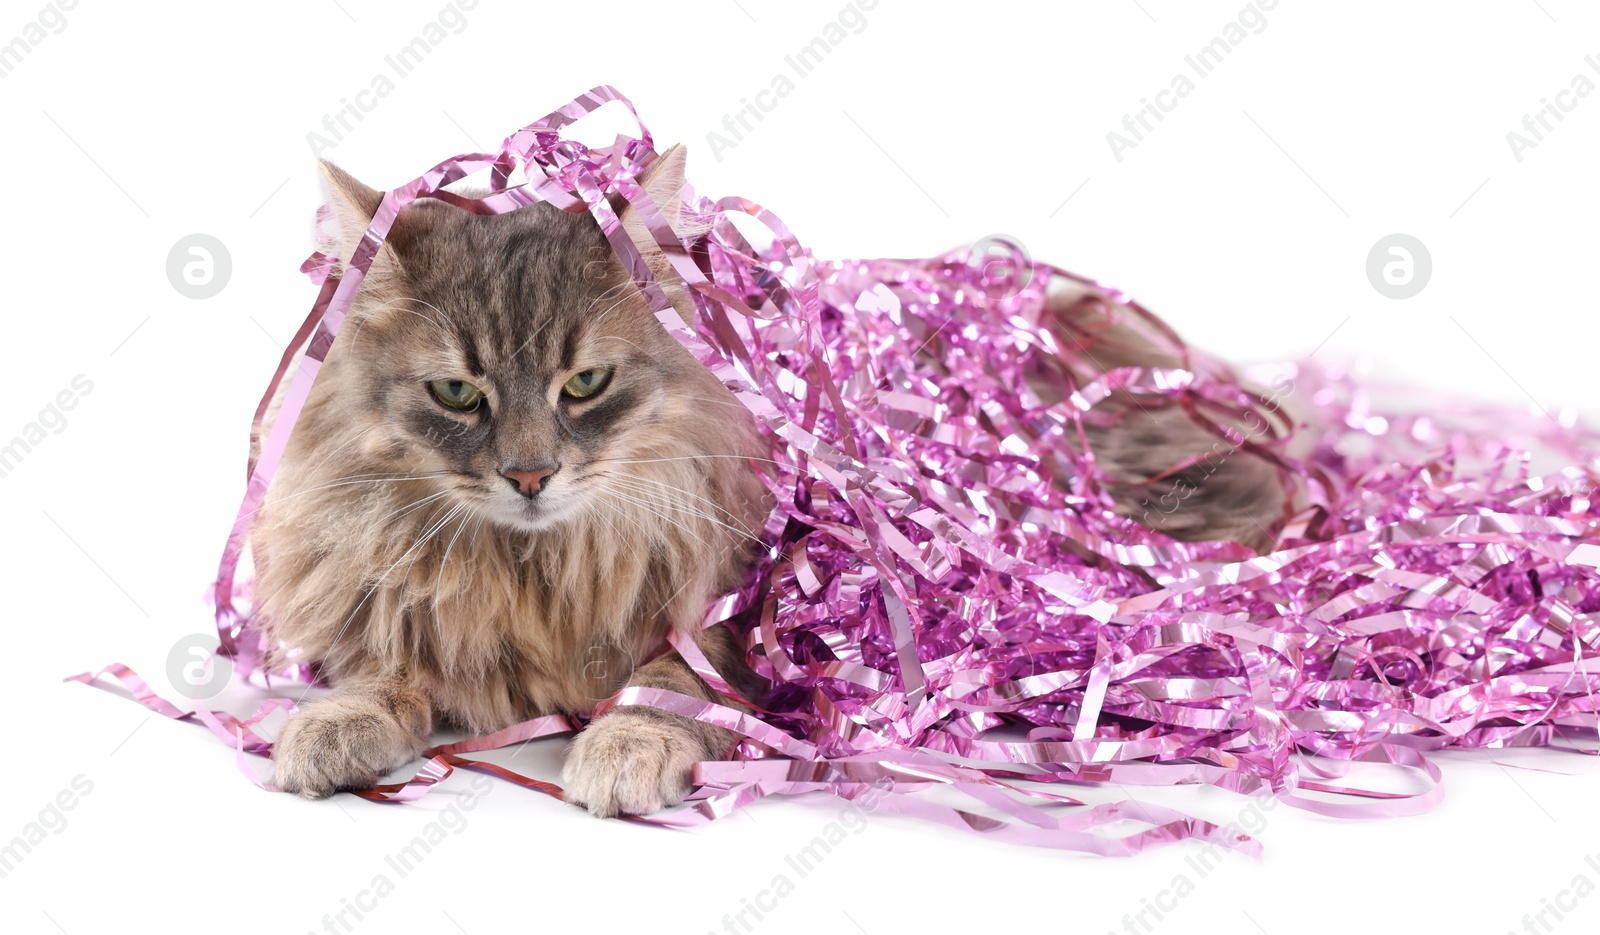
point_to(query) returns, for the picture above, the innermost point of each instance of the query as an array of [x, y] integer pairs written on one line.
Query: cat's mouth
[[536, 515]]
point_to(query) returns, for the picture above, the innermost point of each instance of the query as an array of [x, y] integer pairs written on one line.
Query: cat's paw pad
[[319, 754], [633, 764]]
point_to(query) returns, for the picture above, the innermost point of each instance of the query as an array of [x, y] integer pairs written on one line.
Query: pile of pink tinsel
[[944, 560]]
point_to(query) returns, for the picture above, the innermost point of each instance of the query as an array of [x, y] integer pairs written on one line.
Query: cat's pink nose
[[529, 481]]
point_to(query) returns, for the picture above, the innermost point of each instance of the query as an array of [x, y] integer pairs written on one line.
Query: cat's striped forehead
[[523, 297]]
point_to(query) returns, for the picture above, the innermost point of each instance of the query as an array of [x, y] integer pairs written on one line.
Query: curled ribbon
[[949, 599]]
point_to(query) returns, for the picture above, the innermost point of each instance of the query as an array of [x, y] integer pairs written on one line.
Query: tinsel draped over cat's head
[[511, 356]]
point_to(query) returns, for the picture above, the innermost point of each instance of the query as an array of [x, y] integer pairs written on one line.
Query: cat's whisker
[[627, 293], [351, 479], [678, 458], [310, 490], [623, 484], [472, 545], [546, 323], [427, 318], [673, 596], [401, 511], [680, 507], [730, 403], [394, 475], [671, 488], [439, 575], [617, 289], [381, 578], [612, 337], [524, 346], [638, 496], [354, 437], [588, 510], [699, 515], [620, 292], [651, 509], [394, 304], [416, 550]]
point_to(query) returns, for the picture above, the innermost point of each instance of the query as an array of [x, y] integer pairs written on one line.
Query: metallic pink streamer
[[944, 563]]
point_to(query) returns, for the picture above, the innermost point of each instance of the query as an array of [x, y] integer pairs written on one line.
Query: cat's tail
[[1162, 464]]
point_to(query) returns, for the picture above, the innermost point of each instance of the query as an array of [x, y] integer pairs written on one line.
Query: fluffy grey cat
[[509, 483]]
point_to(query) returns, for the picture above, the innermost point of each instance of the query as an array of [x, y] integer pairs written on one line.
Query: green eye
[[587, 383], [457, 394]]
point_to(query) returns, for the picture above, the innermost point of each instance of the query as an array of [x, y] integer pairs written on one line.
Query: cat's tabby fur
[[392, 549]]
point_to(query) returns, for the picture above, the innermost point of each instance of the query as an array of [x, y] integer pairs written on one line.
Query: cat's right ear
[[353, 204]]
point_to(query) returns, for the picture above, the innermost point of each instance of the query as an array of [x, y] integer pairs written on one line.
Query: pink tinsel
[[944, 562]]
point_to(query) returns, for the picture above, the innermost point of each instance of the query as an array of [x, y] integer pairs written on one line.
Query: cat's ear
[[663, 181], [353, 204]]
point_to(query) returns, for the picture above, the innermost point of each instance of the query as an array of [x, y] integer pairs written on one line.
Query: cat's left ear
[[663, 181]]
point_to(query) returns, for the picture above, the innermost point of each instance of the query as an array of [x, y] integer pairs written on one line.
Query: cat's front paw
[[321, 752], [632, 763]]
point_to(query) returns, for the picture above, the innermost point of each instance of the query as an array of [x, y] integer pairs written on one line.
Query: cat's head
[[511, 359]]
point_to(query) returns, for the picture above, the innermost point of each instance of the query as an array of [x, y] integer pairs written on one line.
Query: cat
[[510, 482]]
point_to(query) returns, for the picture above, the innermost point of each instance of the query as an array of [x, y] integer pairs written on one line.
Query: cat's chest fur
[[494, 626]]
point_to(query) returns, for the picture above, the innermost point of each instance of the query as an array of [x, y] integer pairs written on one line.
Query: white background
[[1245, 219]]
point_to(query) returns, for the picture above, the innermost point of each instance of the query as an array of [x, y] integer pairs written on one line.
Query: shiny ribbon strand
[[949, 599]]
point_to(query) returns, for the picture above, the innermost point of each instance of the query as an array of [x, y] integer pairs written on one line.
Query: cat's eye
[[457, 394], [587, 383]]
